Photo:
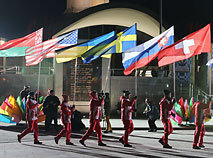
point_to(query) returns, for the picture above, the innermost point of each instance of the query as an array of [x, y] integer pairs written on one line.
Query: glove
[[173, 100], [135, 97], [173, 114]]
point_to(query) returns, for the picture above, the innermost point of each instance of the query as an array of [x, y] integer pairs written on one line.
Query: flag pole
[[210, 81], [75, 80], [39, 75], [136, 89], [210, 77], [174, 79]]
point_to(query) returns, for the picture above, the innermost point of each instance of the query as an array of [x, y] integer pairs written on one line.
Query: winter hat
[[92, 93], [31, 94], [126, 92], [65, 97]]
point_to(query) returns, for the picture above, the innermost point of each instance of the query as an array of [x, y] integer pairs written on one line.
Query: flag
[[34, 55], [17, 47], [175, 117], [143, 54], [190, 107], [193, 44], [72, 52], [181, 103], [117, 44], [186, 107], [210, 63], [178, 109]]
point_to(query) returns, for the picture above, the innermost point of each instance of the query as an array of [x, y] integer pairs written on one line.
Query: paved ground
[[145, 144]]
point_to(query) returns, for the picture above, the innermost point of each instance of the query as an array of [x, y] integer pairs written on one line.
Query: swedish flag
[[116, 44]]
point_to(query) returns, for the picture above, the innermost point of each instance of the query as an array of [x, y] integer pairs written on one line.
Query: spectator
[[107, 110], [153, 113], [25, 92], [50, 105]]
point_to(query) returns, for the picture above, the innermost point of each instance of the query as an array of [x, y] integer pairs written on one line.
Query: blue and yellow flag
[[72, 52], [117, 44]]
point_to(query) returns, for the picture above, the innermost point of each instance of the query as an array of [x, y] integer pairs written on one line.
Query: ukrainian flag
[[72, 52], [117, 44]]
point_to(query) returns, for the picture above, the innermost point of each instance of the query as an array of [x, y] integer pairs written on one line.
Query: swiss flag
[[193, 44]]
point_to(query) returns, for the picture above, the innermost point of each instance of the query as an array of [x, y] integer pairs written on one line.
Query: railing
[[26, 70], [195, 91]]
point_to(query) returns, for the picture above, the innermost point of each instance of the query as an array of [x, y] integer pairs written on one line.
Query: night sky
[[20, 17]]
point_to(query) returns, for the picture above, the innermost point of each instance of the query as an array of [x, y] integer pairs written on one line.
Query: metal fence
[[22, 70]]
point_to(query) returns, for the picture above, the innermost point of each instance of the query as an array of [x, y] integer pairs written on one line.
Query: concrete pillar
[[58, 79], [105, 79], [209, 74]]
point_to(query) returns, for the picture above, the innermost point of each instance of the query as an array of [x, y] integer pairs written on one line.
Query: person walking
[[94, 118], [126, 115], [166, 105], [153, 113], [66, 113], [32, 118], [200, 107], [107, 110], [50, 108]]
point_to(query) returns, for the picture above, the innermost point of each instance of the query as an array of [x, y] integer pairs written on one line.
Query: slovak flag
[[143, 54], [193, 44]]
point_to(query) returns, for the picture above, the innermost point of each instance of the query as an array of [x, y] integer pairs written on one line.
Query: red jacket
[[126, 108], [95, 108], [199, 111], [165, 108], [31, 110], [66, 112]]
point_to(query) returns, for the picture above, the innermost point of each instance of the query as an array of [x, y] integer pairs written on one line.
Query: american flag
[[34, 55]]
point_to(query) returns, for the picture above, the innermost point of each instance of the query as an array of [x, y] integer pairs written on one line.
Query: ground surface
[[145, 144]]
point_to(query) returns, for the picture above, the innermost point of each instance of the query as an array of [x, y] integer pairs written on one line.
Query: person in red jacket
[[32, 118], [200, 107], [94, 117], [166, 105], [66, 112], [126, 115]]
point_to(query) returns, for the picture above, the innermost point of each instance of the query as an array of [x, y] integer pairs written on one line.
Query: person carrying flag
[[66, 113], [94, 117], [166, 105], [200, 106], [126, 115], [32, 118]]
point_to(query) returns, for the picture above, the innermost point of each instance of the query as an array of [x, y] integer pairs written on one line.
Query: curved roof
[[116, 16]]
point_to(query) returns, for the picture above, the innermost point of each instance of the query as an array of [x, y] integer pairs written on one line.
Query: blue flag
[[117, 44]]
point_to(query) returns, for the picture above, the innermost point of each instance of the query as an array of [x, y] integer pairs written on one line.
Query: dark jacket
[[152, 111], [51, 104], [107, 106], [24, 94]]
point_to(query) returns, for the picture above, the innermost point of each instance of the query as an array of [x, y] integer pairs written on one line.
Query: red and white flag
[[34, 55], [193, 44]]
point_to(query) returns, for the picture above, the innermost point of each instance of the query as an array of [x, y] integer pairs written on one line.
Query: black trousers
[[48, 121], [152, 125]]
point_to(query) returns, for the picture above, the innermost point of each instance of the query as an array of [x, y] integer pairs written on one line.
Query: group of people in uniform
[[96, 102]]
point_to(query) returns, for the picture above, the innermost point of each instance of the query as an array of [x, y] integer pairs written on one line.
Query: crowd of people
[[52, 102]]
